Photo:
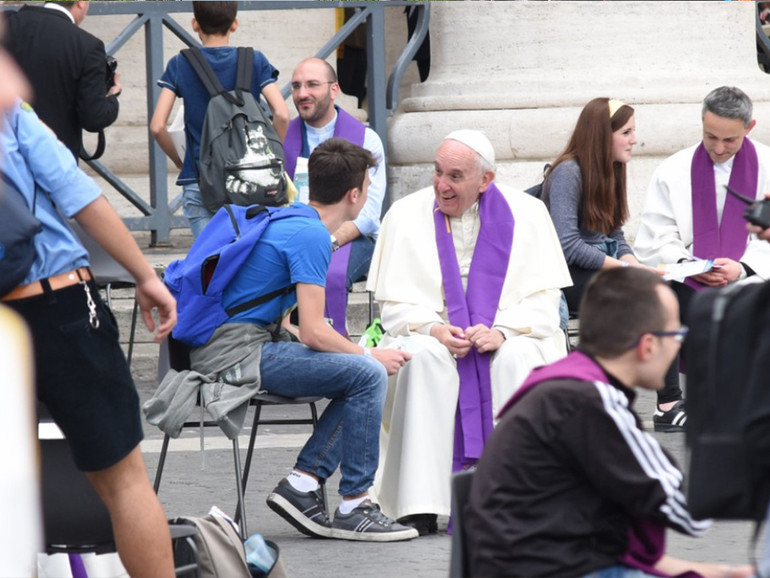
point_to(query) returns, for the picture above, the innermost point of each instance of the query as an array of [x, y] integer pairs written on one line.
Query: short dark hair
[[215, 17], [335, 167], [618, 306]]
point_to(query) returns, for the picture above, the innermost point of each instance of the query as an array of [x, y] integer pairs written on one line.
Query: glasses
[[310, 84], [679, 335]]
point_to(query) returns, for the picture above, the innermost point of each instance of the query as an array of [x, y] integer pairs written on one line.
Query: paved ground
[[190, 490]]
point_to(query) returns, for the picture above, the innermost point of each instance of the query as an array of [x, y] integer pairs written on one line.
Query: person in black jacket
[[66, 67], [569, 484]]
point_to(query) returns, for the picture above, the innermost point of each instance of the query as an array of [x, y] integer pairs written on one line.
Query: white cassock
[[666, 231], [417, 433]]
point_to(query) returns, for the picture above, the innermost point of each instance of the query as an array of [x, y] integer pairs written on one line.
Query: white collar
[[325, 128], [726, 166], [60, 9]]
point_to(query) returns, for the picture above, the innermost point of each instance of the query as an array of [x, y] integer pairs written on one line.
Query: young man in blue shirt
[[214, 22], [250, 351]]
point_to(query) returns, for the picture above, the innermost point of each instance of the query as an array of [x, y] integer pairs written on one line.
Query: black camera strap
[[100, 143]]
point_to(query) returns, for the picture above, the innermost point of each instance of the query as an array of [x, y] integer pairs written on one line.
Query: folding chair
[[459, 566], [75, 520], [175, 355], [108, 275]]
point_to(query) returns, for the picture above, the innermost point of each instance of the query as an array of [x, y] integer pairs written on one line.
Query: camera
[[757, 213], [111, 66]]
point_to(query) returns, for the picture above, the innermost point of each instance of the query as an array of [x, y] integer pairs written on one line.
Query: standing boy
[[214, 22]]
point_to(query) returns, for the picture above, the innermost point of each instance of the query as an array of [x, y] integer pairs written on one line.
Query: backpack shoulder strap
[[273, 214], [11, 184], [245, 68], [203, 69]]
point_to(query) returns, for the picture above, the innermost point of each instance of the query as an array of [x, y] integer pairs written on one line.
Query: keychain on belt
[[92, 317]]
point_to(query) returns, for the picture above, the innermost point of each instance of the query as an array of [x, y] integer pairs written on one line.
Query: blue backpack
[[199, 280]]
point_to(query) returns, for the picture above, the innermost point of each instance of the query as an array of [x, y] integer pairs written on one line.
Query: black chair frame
[[242, 474], [75, 520]]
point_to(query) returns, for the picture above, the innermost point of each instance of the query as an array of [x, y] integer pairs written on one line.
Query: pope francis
[[468, 277]]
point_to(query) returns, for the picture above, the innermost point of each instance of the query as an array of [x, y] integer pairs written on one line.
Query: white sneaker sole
[[296, 518], [396, 536]]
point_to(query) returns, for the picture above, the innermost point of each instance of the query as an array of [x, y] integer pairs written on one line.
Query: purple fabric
[[712, 239], [473, 420], [337, 288], [294, 145], [646, 545], [576, 365], [77, 567], [346, 127]]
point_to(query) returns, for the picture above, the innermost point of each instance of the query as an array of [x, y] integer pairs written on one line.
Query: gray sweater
[[226, 373], [563, 193]]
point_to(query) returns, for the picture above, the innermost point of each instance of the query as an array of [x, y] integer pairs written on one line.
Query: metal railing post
[[161, 218]]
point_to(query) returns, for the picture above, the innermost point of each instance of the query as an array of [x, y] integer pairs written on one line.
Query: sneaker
[[424, 523], [367, 523], [672, 420], [306, 511]]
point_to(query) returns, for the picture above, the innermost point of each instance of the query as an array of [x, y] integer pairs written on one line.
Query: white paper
[[679, 271], [301, 180], [177, 133]]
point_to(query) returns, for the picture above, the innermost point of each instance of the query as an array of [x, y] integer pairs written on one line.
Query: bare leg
[[674, 566], [138, 521]]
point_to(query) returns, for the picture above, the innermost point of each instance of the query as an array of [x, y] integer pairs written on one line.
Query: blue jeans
[[618, 571], [571, 296], [194, 210], [347, 434]]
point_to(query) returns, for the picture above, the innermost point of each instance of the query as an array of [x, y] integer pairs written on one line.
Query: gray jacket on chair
[[225, 371]]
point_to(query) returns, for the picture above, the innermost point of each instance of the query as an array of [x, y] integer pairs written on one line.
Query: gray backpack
[[241, 156], [219, 545], [221, 552]]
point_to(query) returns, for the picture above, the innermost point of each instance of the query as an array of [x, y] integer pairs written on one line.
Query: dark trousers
[[671, 390], [580, 278]]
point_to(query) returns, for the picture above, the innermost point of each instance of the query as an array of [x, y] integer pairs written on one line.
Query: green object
[[373, 333]]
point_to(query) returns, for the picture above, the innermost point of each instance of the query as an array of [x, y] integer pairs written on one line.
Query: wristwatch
[[335, 243]]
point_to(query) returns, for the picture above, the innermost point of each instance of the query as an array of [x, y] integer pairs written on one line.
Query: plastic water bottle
[[259, 554]]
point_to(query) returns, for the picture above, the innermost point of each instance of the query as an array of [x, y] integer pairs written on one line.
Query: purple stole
[[295, 145], [646, 538], [77, 567], [473, 419], [711, 238]]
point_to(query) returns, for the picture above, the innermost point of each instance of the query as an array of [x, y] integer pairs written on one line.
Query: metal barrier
[[158, 215]]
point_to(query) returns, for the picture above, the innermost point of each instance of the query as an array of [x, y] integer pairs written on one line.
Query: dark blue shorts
[[82, 375]]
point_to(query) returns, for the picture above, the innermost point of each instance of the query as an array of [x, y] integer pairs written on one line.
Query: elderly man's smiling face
[[458, 179]]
